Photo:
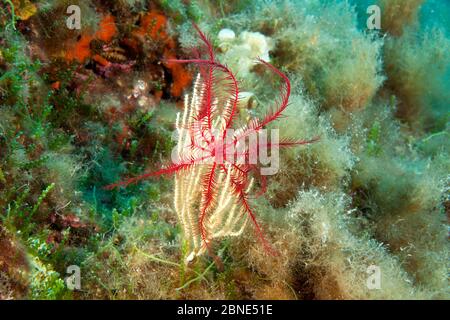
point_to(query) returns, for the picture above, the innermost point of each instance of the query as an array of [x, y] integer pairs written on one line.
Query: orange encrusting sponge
[[81, 50]]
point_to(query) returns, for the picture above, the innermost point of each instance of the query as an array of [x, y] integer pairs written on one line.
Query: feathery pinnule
[[212, 179]]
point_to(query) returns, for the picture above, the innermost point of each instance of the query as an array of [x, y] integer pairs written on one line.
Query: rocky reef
[[358, 207]]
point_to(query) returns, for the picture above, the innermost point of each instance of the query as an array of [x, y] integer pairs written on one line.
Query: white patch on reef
[[258, 43], [241, 52], [226, 35]]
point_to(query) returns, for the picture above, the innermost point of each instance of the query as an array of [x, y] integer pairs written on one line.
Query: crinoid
[[214, 167]]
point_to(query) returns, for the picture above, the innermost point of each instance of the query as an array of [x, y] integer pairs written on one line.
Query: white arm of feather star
[[227, 217]]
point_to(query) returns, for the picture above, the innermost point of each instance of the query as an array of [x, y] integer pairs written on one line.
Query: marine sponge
[[241, 52]]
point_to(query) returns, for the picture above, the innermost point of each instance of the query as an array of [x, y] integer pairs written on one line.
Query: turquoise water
[[434, 13]]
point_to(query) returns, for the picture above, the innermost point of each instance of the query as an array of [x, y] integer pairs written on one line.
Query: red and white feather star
[[206, 155]]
